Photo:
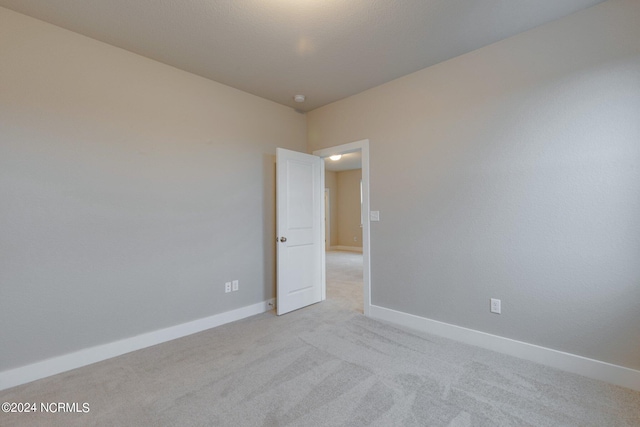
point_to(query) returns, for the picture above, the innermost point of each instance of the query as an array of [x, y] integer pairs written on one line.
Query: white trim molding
[[363, 147], [595, 369], [87, 356]]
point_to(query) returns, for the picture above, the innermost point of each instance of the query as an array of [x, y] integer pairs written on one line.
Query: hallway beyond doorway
[[344, 279]]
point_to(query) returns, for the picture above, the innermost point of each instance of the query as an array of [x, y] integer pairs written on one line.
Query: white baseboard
[[87, 356], [590, 368], [347, 248]]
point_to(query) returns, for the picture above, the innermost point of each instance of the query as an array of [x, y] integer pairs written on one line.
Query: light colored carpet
[[325, 365]]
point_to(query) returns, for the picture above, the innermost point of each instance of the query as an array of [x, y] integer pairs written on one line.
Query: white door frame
[[327, 218], [363, 147]]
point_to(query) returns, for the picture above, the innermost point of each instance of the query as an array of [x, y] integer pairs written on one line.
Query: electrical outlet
[[227, 287], [496, 306], [234, 285]]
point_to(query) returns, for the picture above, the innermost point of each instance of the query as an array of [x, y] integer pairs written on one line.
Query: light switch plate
[[375, 215]]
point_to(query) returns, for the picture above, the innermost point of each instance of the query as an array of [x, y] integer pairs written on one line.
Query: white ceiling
[[324, 49], [348, 161]]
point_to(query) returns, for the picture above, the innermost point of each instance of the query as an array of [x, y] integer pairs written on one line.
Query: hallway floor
[[344, 279]]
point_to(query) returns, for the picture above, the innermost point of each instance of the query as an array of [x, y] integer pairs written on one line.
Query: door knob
[[283, 239]]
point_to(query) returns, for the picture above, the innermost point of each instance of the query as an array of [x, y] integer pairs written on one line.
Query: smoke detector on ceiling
[[299, 98]]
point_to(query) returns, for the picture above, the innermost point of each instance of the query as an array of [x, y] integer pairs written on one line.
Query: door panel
[[300, 245]]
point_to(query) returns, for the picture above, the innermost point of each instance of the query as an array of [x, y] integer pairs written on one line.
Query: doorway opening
[[347, 239]]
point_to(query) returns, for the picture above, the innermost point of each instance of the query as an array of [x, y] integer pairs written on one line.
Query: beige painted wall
[[512, 172], [332, 184], [344, 190], [349, 230], [130, 192]]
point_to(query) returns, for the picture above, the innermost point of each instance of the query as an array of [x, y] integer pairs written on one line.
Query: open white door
[[300, 240]]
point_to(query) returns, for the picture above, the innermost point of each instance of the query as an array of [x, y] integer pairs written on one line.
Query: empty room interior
[[301, 213]]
